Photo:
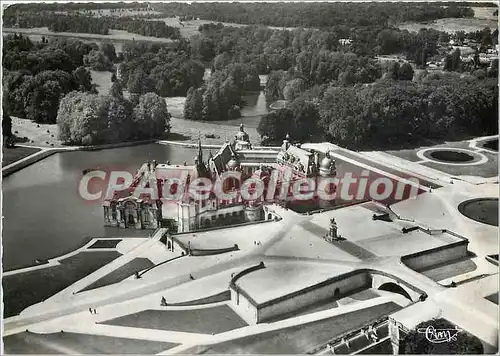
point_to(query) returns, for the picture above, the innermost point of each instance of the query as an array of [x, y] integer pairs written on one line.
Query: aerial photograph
[[250, 178]]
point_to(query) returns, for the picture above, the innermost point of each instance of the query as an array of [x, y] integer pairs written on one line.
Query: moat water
[[44, 215]]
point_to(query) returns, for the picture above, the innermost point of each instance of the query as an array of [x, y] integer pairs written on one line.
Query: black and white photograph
[[250, 177]]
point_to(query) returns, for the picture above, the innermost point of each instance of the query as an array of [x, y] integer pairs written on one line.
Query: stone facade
[[189, 214]]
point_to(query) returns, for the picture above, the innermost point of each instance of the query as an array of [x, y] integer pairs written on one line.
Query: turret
[[286, 143], [327, 167], [233, 164]]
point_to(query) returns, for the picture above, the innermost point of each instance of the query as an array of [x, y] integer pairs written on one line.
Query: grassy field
[[121, 273], [206, 320], [24, 289], [485, 12], [175, 106], [114, 35], [43, 135], [188, 131], [483, 17], [190, 28], [451, 25], [299, 339], [11, 155], [105, 244], [71, 343], [102, 80]]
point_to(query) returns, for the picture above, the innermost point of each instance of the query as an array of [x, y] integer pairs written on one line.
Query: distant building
[[130, 210], [345, 41]]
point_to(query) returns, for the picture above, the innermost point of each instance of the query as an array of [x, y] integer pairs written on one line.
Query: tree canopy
[[416, 343]]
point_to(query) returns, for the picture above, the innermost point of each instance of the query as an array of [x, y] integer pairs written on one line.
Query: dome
[[233, 162], [242, 135], [326, 162]]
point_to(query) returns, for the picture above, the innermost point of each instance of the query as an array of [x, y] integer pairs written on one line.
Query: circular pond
[[451, 156], [483, 210]]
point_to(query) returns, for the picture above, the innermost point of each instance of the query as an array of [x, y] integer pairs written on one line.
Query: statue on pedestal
[[333, 232]]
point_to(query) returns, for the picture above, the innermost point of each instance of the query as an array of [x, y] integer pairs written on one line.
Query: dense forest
[[72, 6], [332, 78], [48, 83], [317, 15], [88, 24]]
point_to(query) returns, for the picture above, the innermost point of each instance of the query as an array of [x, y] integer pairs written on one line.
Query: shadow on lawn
[[25, 289]]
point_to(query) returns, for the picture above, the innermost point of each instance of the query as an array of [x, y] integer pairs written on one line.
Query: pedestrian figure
[[163, 302], [95, 311], [191, 276], [90, 311]]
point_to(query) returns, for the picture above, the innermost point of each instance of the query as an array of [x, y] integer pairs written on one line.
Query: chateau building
[[188, 214]]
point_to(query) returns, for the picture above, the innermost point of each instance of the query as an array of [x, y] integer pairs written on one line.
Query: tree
[[116, 90], [7, 129], [405, 72], [108, 49], [97, 61], [275, 85], [444, 37], [455, 58], [151, 117], [417, 343], [460, 36], [193, 107], [293, 89], [393, 70], [305, 120], [137, 82], [274, 126], [83, 79], [82, 119]]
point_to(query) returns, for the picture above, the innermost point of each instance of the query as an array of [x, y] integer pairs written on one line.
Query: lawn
[[493, 298], [452, 25], [70, 343], [190, 130], [450, 270], [121, 273], [103, 81], [11, 155], [206, 320], [25, 289], [105, 244], [301, 338], [190, 28], [44, 135]]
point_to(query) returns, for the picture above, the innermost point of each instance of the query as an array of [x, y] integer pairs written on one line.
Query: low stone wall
[[321, 292], [421, 260], [219, 297], [203, 252], [17, 166], [159, 264], [116, 145], [253, 312], [216, 251], [242, 302]]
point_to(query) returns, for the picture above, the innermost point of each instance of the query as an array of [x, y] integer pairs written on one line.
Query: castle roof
[[222, 158]]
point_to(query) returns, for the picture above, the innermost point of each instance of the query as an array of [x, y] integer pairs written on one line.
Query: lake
[[44, 215]]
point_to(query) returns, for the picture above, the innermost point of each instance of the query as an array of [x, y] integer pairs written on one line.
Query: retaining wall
[[435, 256]]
